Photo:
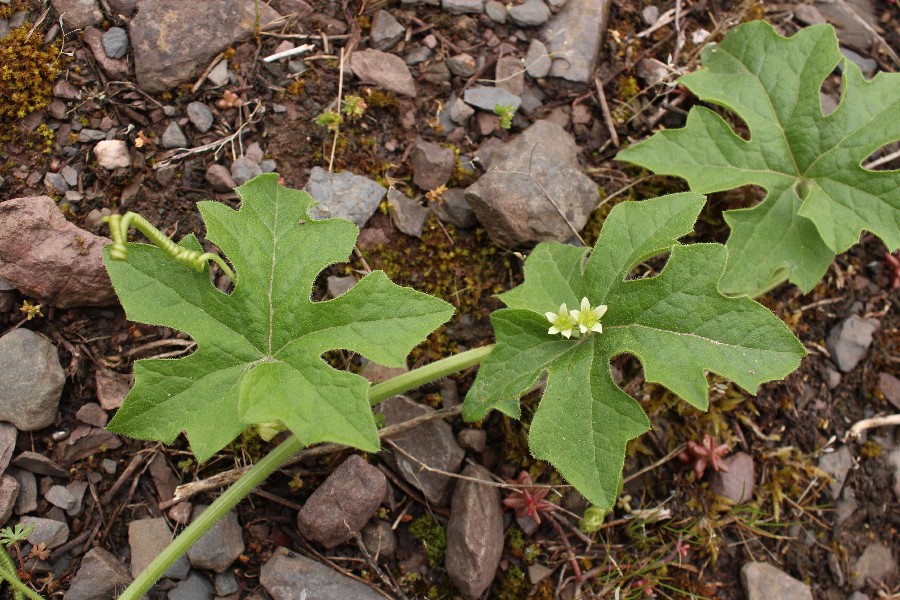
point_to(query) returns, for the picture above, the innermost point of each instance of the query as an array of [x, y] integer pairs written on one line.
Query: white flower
[[587, 318], [562, 322]]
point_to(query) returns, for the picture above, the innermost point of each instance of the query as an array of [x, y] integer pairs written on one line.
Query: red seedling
[[529, 499], [705, 454]]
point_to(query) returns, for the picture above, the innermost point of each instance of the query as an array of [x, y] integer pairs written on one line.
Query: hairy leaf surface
[[259, 348], [819, 197], [677, 323]]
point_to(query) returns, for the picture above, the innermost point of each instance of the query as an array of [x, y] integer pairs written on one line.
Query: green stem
[[9, 574], [277, 457]]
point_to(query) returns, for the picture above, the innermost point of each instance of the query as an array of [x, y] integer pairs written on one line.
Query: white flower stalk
[[562, 322], [587, 318]]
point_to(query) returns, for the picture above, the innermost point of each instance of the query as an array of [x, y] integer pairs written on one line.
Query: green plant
[[506, 112], [353, 106], [819, 197], [28, 69], [13, 536], [330, 120]]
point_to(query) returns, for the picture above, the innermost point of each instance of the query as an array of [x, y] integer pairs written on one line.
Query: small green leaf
[[819, 197], [678, 324], [258, 356]]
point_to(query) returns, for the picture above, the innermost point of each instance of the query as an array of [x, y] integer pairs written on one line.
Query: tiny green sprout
[[30, 310], [506, 112], [593, 519], [15, 535], [354, 107], [330, 120], [269, 430], [562, 322]]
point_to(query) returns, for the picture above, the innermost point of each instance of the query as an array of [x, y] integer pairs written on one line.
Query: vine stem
[[277, 457]]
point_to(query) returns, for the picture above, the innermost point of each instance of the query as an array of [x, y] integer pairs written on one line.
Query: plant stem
[[277, 457]]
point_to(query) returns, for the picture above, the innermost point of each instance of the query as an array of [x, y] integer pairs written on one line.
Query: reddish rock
[[117, 68], [383, 69], [112, 388], [46, 257]]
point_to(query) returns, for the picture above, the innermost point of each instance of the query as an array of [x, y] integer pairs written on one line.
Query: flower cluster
[[584, 319]]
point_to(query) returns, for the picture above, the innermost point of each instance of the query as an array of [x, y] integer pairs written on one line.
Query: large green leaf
[[259, 348], [678, 324], [819, 197]]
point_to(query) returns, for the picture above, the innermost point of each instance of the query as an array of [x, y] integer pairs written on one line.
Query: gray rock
[[890, 387], [39, 464], [50, 532], [32, 380], [380, 540], [857, 595], [9, 493], [532, 99], [8, 436], [61, 497], [219, 73], [837, 464], [173, 137], [78, 14], [149, 537], [845, 508], [225, 583], [460, 7], [101, 577], [855, 21], [124, 8], [200, 115], [338, 286], [244, 169], [70, 175], [290, 576], [92, 414], [85, 441], [432, 164], [472, 439], [384, 70], [343, 504], [573, 38], [474, 534], [496, 11], [220, 546], [809, 14], [386, 30], [460, 112], [195, 587], [268, 165], [650, 14], [112, 154], [417, 55], [762, 581], [454, 209], [408, 215], [54, 182], [537, 60], [877, 567], [462, 65], [77, 490], [111, 388], [868, 66], [115, 42], [510, 75], [736, 483], [343, 195], [530, 13], [431, 444], [172, 45], [91, 135], [26, 501], [488, 98], [254, 152], [849, 340], [58, 109], [511, 205], [219, 178]]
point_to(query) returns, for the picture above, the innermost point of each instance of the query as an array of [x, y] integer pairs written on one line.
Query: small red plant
[[705, 454], [529, 499], [893, 263]]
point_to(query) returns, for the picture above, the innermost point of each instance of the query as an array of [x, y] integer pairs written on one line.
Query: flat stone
[[537, 60], [173, 137], [474, 534], [877, 567], [149, 537], [61, 497], [32, 380], [70, 175], [868, 66], [380, 540], [511, 205], [112, 154], [417, 55], [849, 341], [386, 30], [290, 576], [115, 42], [509, 74], [530, 13], [496, 11], [254, 152], [809, 14], [384, 70], [736, 483], [837, 464], [462, 65], [460, 112], [573, 38], [92, 414], [91, 135], [111, 388], [26, 501], [219, 178], [454, 209], [200, 115], [244, 169], [54, 182], [407, 214], [338, 286], [101, 577], [890, 387], [124, 8], [173, 45], [225, 583], [8, 436], [461, 7], [9, 493], [472, 439], [431, 444], [115, 67], [432, 164], [762, 581], [218, 75], [220, 546], [50, 532], [343, 504], [85, 441], [488, 98], [78, 14], [77, 490], [343, 195], [847, 16], [195, 587]]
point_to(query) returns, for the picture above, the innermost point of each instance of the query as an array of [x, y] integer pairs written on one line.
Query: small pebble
[[115, 42]]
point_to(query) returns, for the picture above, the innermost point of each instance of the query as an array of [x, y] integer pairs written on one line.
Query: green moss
[[28, 69], [432, 536], [513, 585]]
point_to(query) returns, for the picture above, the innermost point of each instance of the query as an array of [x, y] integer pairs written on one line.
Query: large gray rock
[[849, 340], [50, 259], [431, 444], [32, 380], [220, 546], [384, 70], [534, 189], [573, 37], [762, 581], [474, 534], [147, 538], [290, 576], [343, 195], [100, 577], [78, 14], [173, 41], [343, 504]]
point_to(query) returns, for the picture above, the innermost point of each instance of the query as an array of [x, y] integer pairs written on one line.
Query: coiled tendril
[[192, 259]]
